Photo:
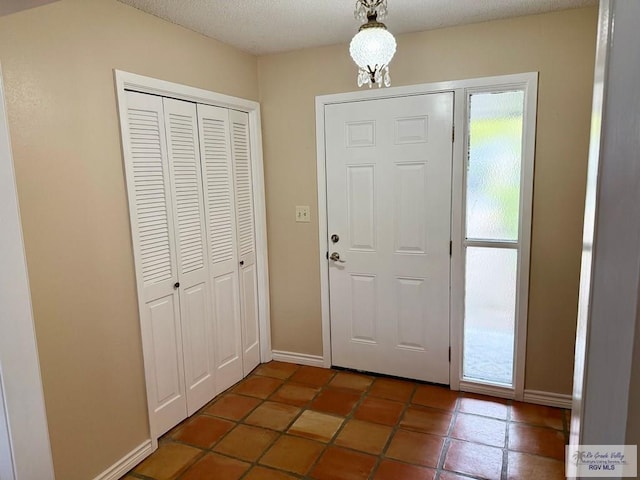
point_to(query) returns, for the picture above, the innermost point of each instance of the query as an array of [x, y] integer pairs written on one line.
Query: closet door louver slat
[[217, 170], [243, 183], [152, 223], [188, 203]]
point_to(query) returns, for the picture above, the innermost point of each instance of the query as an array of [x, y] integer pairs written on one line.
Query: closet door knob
[[176, 285], [241, 262]]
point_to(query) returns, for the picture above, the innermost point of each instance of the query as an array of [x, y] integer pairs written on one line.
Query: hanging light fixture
[[373, 47]]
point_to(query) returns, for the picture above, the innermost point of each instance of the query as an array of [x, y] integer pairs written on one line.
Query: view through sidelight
[[492, 225]]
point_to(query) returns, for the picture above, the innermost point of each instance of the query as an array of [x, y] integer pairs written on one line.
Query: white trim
[[548, 398], [490, 243], [460, 89], [487, 389], [26, 420], [583, 328], [524, 234], [322, 231], [154, 86], [528, 82], [538, 397], [131, 81], [456, 312], [608, 333], [126, 463], [6, 453], [299, 358], [260, 223], [503, 81]]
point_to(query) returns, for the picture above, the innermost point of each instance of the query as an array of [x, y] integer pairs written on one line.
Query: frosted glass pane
[[490, 304], [493, 173]]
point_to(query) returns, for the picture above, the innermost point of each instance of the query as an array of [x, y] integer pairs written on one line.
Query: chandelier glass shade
[[373, 47]]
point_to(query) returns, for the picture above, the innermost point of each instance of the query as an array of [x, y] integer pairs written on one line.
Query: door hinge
[[450, 248], [449, 354], [327, 255], [453, 133]]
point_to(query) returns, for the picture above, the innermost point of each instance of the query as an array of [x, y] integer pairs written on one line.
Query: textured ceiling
[[270, 26]]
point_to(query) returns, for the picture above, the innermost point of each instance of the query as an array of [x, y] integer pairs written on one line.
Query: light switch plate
[[303, 213]]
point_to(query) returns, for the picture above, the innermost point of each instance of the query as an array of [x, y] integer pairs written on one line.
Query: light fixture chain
[[367, 8]]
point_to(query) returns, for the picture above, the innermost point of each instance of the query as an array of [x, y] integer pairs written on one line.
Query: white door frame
[[25, 451], [608, 321], [139, 83], [460, 88]]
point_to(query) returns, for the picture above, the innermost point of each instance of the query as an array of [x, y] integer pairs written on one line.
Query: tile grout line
[[303, 408], [325, 447], [394, 429], [450, 438], [241, 421], [322, 388], [237, 422], [364, 395], [447, 439], [202, 411], [280, 433], [505, 454]]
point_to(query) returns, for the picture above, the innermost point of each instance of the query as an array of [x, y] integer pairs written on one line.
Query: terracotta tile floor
[[287, 421]]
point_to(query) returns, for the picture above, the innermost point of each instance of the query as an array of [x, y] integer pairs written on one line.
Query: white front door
[[388, 168]]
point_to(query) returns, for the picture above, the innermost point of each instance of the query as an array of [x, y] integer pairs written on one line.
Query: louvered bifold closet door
[[217, 171], [241, 153], [193, 266], [150, 209]]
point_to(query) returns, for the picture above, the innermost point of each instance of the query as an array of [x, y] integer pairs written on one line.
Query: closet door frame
[[126, 81]]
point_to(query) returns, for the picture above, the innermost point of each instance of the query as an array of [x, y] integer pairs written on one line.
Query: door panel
[[412, 313], [361, 212], [363, 312], [151, 211], [166, 334], [188, 205], [389, 201], [195, 300], [219, 201], [410, 203], [199, 345], [246, 238], [251, 334]]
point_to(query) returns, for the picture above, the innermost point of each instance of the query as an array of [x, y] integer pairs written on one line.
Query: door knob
[[335, 256]]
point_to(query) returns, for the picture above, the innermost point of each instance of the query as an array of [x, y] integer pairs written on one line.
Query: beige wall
[[561, 46], [57, 62]]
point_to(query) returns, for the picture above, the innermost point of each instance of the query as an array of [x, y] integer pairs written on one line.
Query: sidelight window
[[492, 234]]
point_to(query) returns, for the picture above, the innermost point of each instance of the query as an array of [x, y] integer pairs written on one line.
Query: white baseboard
[[547, 398], [301, 358], [126, 463]]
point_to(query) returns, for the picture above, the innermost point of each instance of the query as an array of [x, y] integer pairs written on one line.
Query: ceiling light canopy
[[373, 47]]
